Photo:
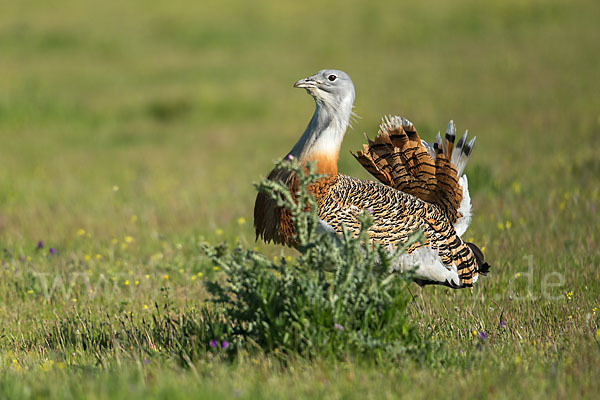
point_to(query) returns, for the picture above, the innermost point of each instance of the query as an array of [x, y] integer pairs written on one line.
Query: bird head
[[329, 87]]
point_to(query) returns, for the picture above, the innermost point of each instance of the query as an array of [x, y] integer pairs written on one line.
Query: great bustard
[[421, 187]]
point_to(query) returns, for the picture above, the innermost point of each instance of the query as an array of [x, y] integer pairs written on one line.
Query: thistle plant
[[336, 299]]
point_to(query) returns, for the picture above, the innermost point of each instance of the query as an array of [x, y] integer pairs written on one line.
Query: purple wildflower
[[146, 361], [224, 344], [339, 327], [370, 210], [52, 250], [40, 244], [290, 157], [214, 343], [482, 335], [501, 324]]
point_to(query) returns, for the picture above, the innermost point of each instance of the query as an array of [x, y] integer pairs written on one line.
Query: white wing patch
[[427, 265], [324, 228], [463, 222]]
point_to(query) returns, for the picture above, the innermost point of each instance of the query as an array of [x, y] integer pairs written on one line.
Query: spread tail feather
[[399, 158]]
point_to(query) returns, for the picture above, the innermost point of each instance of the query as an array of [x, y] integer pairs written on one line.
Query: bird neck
[[323, 136]]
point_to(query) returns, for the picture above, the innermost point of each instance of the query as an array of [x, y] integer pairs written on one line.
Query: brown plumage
[[419, 188], [274, 223], [397, 215], [397, 158], [271, 222]]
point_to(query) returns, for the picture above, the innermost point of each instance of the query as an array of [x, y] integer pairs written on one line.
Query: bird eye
[[332, 77]]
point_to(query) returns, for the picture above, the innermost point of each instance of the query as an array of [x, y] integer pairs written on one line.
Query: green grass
[[131, 130]]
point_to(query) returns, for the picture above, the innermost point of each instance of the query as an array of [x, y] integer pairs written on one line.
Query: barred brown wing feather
[[397, 216], [398, 158]]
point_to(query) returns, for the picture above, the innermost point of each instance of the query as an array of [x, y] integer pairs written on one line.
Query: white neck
[[325, 131]]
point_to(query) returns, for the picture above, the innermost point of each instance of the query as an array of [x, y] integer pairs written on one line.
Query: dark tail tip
[[467, 149], [482, 267]]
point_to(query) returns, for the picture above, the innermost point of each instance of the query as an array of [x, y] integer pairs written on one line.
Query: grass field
[[131, 130]]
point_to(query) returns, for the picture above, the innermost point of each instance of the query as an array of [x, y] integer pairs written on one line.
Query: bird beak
[[306, 83]]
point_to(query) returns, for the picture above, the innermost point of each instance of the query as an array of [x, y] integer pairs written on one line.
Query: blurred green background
[[182, 105], [130, 129]]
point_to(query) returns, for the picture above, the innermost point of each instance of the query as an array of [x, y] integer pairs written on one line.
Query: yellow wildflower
[[516, 187], [508, 224], [145, 306], [129, 239], [134, 218], [166, 276], [241, 221], [216, 268], [81, 232], [127, 282], [219, 231], [569, 295], [87, 257], [500, 226]]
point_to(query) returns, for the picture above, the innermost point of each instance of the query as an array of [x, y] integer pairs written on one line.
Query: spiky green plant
[[336, 298]]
